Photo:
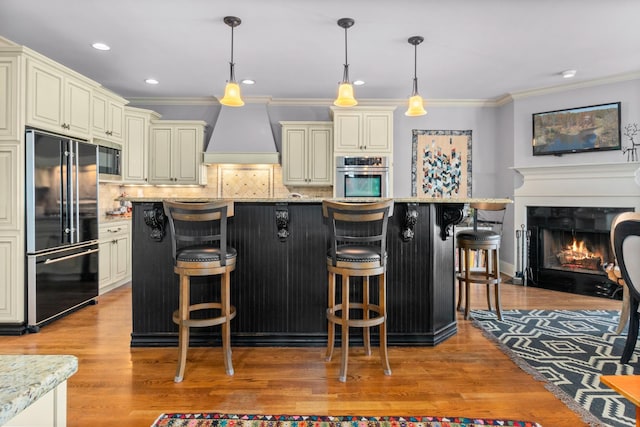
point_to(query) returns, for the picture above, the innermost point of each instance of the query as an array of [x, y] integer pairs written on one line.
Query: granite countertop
[[26, 378], [320, 199]]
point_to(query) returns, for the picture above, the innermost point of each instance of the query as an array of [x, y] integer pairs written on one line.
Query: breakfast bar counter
[[279, 286]]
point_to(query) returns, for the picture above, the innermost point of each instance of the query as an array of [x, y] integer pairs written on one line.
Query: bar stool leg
[[331, 326], [366, 315], [467, 283], [345, 328], [496, 263], [384, 355], [226, 327], [488, 272], [183, 329], [460, 290]]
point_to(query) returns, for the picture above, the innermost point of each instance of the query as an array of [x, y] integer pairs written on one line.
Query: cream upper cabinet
[[9, 100], [363, 130], [307, 153], [135, 167], [107, 116], [58, 101], [175, 152]]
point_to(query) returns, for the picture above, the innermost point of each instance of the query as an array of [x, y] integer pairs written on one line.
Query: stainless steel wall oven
[[362, 176]]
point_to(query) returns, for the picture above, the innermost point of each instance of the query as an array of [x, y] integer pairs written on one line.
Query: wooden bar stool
[[199, 244], [484, 240], [357, 248]]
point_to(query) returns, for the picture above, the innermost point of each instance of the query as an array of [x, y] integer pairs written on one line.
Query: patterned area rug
[[226, 420], [570, 350]]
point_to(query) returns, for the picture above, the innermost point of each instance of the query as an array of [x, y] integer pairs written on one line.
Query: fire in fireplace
[[570, 248]]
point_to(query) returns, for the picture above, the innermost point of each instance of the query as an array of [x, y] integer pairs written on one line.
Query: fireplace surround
[[578, 201]]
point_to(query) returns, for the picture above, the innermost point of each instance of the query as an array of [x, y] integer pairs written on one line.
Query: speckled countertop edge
[[320, 199], [26, 378]]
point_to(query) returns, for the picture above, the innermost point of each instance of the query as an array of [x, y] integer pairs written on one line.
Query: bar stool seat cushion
[[203, 253], [478, 235], [355, 253]]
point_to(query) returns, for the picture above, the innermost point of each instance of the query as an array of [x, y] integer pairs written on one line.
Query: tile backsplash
[[223, 181]]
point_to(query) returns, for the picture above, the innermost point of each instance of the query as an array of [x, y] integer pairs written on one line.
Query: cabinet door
[[320, 156], [121, 258], [377, 132], [44, 97], [115, 119], [9, 99], [104, 263], [185, 152], [348, 132], [294, 156], [135, 149], [160, 153], [77, 106], [99, 116]]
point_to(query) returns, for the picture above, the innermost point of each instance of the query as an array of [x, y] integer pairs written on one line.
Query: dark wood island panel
[[279, 286]]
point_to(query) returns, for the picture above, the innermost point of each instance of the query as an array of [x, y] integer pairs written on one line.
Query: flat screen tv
[[577, 130]]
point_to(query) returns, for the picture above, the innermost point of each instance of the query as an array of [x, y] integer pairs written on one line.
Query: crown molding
[[578, 85], [327, 102]]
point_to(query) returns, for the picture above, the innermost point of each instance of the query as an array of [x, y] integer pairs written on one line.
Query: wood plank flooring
[[465, 376]]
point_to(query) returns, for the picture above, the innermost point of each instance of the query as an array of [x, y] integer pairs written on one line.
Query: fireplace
[[569, 248], [563, 202]]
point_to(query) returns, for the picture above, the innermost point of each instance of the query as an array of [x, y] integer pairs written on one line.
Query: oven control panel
[[361, 161]]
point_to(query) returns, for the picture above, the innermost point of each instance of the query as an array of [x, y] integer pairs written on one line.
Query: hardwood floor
[[464, 376]]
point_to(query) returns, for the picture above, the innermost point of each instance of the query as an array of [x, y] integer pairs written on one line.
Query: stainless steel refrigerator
[[61, 225]]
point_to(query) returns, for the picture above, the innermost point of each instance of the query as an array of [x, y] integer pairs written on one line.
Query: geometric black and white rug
[[569, 349]]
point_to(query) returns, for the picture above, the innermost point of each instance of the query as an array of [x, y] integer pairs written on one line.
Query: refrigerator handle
[[74, 212]]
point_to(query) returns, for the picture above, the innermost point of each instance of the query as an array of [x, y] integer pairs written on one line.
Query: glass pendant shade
[[232, 95], [345, 90], [416, 107], [345, 96], [416, 104]]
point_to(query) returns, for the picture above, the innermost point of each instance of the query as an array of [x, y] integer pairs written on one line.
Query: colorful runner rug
[[227, 420]]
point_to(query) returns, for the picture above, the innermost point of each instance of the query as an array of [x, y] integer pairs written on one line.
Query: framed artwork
[[576, 130], [441, 163]]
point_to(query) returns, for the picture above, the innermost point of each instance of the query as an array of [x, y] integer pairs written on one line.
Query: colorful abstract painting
[[441, 163]]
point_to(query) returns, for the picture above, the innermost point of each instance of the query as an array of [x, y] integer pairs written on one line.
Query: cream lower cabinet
[[307, 153], [57, 101], [363, 130], [135, 166], [175, 152], [115, 254]]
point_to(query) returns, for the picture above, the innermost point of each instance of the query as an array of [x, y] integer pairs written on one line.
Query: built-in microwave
[[361, 176], [109, 161]]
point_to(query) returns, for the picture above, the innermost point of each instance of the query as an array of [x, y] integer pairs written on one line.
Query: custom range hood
[[242, 135]]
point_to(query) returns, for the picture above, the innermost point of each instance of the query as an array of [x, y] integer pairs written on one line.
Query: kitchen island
[[279, 286]]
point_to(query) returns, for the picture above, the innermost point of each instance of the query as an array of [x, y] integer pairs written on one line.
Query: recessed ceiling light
[[151, 81], [248, 82], [101, 46], [358, 82], [569, 74]]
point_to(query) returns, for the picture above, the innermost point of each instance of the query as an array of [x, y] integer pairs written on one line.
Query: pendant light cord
[[232, 76], [345, 75], [415, 70]]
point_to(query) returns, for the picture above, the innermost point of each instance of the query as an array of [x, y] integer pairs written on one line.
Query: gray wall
[[501, 135]]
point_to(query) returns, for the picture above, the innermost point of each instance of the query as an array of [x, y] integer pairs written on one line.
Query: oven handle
[[64, 258]]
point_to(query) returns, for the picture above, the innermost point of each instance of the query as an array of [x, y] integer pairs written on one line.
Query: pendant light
[[416, 105], [232, 90], [345, 90]]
